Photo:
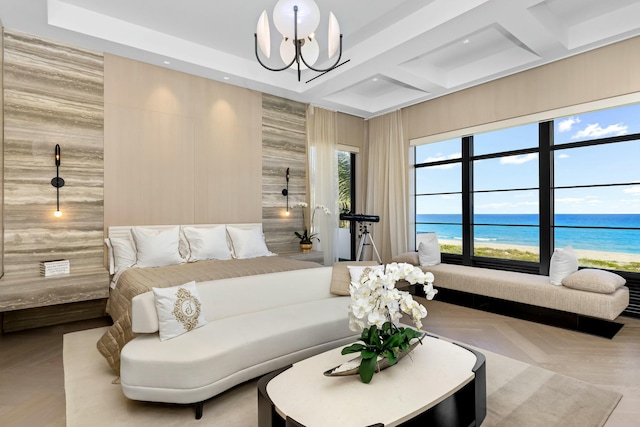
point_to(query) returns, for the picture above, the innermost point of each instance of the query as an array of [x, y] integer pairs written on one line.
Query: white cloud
[[596, 131], [440, 157], [567, 124], [563, 156], [570, 200], [632, 190], [590, 200], [518, 160]]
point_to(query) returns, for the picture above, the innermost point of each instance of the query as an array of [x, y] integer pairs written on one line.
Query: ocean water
[[491, 228]]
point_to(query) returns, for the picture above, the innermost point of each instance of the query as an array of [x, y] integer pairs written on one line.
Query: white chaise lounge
[[256, 324], [529, 296]]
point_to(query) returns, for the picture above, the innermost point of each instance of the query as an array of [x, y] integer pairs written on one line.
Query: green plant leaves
[[367, 369], [392, 357], [368, 354], [353, 348], [386, 341]]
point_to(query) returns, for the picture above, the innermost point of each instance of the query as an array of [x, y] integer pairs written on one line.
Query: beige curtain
[[323, 179], [387, 165]]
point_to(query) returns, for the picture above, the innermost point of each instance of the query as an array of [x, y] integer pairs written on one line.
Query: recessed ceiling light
[[226, 77], [166, 62], [465, 41], [375, 79]]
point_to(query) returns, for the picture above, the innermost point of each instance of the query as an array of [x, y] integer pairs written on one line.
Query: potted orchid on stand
[[306, 237], [376, 309]]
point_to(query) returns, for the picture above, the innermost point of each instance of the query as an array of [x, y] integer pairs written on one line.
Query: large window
[[597, 187], [505, 194], [439, 193], [518, 193], [346, 202]]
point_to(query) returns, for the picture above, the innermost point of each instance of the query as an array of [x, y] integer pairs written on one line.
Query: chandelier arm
[[265, 66], [320, 70], [295, 39]]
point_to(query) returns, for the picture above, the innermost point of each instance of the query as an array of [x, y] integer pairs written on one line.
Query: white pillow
[[179, 310], [124, 253], [563, 263], [429, 249], [248, 242], [207, 243], [110, 255], [356, 272], [157, 248]]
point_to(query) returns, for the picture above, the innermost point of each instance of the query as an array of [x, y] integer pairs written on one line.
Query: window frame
[[546, 151]]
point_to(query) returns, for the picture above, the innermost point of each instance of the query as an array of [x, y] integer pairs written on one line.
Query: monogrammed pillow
[[357, 271], [341, 278], [179, 310]]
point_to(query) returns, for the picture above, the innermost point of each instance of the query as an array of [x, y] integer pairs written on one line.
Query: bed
[[144, 257]]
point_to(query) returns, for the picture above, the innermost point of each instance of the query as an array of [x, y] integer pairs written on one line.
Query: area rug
[[518, 394]]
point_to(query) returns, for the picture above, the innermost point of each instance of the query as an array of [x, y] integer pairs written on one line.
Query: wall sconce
[[285, 192], [57, 181]]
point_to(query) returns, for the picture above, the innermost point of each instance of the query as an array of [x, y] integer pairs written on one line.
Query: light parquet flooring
[[32, 382], [613, 364]]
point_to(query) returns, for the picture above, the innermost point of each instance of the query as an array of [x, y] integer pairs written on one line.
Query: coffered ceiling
[[399, 52]]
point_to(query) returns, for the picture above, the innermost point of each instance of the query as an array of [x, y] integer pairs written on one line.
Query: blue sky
[[608, 164]]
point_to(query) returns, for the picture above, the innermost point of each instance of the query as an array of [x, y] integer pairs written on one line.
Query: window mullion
[[467, 199], [545, 194]]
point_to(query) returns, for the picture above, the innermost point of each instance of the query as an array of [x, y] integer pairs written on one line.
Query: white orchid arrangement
[[376, 309], [306, 237]]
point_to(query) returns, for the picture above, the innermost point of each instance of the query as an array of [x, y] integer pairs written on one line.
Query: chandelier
[[297, 20]]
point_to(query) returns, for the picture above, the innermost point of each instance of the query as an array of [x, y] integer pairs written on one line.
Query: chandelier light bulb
[[308, 17], [57, 214], [334, 34], [297, 21], [310, 51], [287, 50], [264, 34]]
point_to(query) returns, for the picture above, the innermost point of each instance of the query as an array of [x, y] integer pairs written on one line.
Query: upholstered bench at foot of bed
[[209, 360], [531, 297]]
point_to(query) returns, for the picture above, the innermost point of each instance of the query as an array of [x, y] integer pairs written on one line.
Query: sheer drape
[[323, 179], [387, 162]]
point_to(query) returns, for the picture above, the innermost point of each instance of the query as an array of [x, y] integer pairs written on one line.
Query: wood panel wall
[[53, 94], [1, 148], [284, 145], [179, 149]]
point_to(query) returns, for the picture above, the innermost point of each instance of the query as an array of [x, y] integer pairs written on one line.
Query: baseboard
[[562, 319]]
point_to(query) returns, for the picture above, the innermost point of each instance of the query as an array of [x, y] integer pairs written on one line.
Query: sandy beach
[[582, 254]]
